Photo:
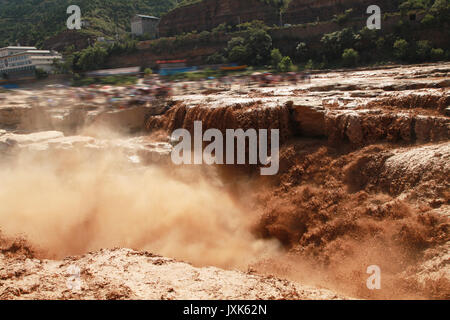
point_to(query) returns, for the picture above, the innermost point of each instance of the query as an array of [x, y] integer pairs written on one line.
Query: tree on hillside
[[401, 48], [441, 10], [236, 41], [350, 57], [239, 54], [275, 57], [237, 50], [285, 64], [407, 5], [254, 49], [423, 50], [334, 43], [90, 58], [259, 45]]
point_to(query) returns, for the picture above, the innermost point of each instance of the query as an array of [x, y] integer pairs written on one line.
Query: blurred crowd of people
[[157, 88]]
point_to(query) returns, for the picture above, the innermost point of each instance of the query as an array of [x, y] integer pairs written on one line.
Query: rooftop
[[32, 52], [147, 17], [38, 51], [18, 47]]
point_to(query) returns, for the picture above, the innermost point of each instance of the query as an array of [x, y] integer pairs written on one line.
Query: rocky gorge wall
[[357, 128], [211, 13], [208, 14], [67, 38], [304, 11], [285, 39]]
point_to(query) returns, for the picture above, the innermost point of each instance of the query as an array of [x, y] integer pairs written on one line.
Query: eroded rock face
[[358, 127], [432, 129], [311, 120], [238, 116], [362, 128]]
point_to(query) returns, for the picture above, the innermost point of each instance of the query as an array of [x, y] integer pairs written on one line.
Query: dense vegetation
[[349, 46], [30, 22], [252, 44]]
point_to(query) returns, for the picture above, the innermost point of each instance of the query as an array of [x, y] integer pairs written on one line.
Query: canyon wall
[[304, 11], [210, 13], [285, 39], [67, 38]]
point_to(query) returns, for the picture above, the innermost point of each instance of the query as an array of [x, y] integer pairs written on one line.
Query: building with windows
[[144, 25], [21, 62]]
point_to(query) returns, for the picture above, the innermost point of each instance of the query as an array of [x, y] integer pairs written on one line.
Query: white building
[[141, 24], [18, 62], [8, 51]]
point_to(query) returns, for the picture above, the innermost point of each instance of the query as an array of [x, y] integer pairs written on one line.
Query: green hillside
[[30, 22]]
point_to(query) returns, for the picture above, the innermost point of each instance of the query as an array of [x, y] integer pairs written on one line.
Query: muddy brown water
[[352, 191]]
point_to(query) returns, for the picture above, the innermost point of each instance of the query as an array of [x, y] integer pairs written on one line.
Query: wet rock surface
[[360, 107]]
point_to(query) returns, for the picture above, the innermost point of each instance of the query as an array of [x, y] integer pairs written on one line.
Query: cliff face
[[304, 11], [285, 39], [211, 13], [67, 38]]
